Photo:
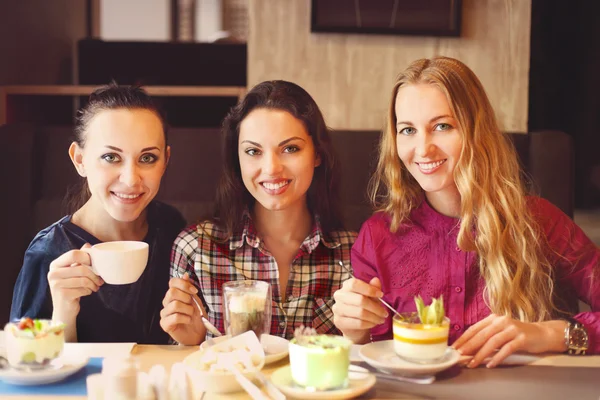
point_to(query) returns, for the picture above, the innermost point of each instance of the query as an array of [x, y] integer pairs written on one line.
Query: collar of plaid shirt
[[250, 235]]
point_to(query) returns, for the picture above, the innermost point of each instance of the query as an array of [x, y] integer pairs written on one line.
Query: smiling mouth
[[275, 186], [127, 196], [430, 166]]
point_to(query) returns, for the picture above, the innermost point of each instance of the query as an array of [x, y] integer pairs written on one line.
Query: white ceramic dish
[[381, 355], [357, 385], [355, 353], [223, 381], [62, 367], [276, 348]]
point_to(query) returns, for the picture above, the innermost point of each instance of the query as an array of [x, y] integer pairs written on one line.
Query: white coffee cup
[[119, 263]]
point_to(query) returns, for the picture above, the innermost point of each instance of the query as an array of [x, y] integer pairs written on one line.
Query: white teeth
[[275, 186], [430, 166], [127, 196]]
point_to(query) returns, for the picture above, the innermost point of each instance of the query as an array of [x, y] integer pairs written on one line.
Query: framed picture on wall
[[396, 17]]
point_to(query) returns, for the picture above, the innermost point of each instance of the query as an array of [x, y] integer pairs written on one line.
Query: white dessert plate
[[275, 347], [61, 368], [355, 353], [357, 385], [381, 355]]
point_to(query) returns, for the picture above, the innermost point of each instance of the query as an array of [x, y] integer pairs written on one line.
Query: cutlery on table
[[246, 383], [385, 303], [421, 380], [272, 390]]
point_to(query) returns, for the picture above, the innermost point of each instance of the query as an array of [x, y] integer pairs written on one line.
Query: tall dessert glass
[[247, 307]]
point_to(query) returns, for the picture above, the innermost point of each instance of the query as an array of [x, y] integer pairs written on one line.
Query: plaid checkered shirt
[[315, 273]]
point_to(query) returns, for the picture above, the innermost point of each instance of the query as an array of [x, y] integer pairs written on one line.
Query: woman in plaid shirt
[[276, 220]]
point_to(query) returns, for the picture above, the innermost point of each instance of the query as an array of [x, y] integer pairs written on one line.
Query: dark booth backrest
[[37, 172]]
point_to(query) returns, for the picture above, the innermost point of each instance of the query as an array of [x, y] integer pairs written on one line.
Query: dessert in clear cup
[[33, 343], [422, 336], [320, 362], [247, 307]]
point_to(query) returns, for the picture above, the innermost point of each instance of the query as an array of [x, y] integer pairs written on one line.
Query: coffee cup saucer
[[275, 347], [357, 385], [381, 355]]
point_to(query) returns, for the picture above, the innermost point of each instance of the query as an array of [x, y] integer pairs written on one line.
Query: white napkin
[[159, 381], [145, 389], [179, 388]]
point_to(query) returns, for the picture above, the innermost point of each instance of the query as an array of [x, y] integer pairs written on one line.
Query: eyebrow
[[286, 141], [430, 121], [143, 150]]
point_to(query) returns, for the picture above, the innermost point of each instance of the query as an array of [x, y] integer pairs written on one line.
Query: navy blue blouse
[[116, 313]]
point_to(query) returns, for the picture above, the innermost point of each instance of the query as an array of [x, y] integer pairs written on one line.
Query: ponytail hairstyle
[[109, 97]]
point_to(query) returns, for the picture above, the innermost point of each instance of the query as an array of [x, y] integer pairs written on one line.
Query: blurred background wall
[[37, 40], [351, 75]]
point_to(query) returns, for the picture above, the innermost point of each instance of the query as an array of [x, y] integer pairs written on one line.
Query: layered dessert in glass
[[422, 336], [33, 343], [247, 307]]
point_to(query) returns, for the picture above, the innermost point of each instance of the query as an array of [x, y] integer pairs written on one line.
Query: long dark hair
[[109, 97], [323, 194]]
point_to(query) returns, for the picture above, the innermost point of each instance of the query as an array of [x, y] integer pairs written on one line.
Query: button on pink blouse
[[423, 258]]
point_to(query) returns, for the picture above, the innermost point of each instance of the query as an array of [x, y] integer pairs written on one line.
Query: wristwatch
[[576, 337]]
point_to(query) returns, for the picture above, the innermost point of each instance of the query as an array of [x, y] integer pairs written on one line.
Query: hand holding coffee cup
[[70, 277], [118, 263]]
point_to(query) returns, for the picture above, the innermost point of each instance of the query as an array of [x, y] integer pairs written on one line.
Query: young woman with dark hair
[[276, 220], [120, 149]]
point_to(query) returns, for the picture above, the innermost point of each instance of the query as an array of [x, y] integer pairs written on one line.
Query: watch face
[[578, 338]]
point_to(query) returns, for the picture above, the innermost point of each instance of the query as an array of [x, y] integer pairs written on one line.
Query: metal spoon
[[380, 299], [210, 327], [421, 380]]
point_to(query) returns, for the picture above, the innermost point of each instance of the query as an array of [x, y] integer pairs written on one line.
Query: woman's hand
[[180, 317], [506, 336], [357, 308], [70, 278]]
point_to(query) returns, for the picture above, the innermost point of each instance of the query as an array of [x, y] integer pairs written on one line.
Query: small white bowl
[[224, 381], [276, 348]]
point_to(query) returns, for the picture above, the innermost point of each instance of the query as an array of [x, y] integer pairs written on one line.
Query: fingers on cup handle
[[71, 257], [87, 248]]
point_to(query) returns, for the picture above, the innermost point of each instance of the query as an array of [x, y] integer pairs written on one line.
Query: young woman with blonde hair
[[454, 220]]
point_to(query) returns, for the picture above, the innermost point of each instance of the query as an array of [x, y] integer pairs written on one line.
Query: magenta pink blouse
[[423, 258]]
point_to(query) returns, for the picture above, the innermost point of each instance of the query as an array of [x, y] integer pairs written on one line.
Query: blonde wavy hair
[[494, 218]]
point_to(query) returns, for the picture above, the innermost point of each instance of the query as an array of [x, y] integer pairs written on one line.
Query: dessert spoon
[[385, 303], [421, 380], [210, 327]]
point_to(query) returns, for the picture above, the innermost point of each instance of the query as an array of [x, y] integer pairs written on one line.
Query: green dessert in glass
[[320, 362]]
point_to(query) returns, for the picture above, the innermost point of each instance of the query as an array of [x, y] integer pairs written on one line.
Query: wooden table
[[548, 378]]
